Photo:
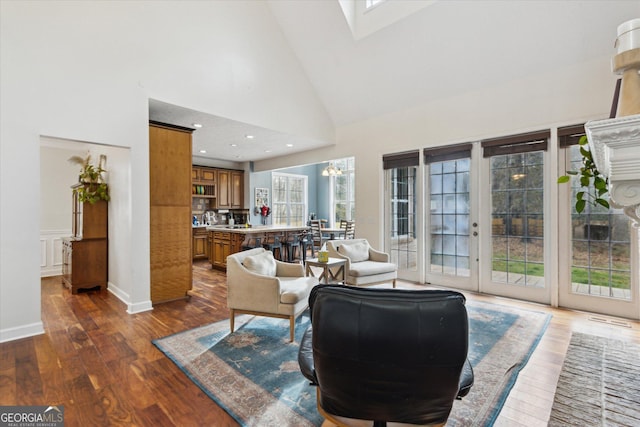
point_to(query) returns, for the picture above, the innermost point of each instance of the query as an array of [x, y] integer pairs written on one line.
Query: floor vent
[[613, 322]]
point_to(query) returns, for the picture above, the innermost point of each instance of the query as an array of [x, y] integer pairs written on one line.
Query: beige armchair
[[365, 265], [260, 285]]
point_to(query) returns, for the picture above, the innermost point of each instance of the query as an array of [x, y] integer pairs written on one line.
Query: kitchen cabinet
[[236, 243], [204, 182], [224, 189], [200, 243], [237, 190], [203, 174], [217, 188], [220, 248], [230, 189], [170, 184]]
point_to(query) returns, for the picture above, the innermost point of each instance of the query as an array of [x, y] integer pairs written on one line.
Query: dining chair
[[317, 240], [349, 229]]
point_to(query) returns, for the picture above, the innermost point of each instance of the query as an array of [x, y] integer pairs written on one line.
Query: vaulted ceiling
[[444, 49]]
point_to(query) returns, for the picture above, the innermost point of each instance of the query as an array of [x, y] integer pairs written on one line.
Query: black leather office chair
[[386, 355]]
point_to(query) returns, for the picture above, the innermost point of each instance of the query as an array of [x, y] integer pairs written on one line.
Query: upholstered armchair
[[386, 355], [365, 265], [259, 284]]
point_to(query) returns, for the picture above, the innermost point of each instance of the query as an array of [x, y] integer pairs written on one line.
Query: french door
[[515, 183], [490, 217], [452, 229], [599, 249], [485, 225]]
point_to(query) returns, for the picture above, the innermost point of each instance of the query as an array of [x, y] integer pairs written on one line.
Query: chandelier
[[331, 170]]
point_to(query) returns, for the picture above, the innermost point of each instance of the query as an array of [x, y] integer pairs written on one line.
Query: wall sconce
[[331, 170]]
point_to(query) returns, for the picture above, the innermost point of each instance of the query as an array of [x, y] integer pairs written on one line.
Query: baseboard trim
[[24, 331], [140, 307], [126, 299]]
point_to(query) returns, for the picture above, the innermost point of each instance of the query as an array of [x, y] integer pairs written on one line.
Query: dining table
[[332, 232]]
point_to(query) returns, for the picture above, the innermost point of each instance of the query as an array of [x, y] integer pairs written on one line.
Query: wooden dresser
[[85, 258]]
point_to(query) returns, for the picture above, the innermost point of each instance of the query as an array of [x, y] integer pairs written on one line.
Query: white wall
[[558, 96], [56, 176], [84, 71]]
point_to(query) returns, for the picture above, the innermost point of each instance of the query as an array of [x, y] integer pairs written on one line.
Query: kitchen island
[[225, 240]]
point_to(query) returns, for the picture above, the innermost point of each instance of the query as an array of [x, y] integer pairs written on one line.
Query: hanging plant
[[595, 185], [94, 188]]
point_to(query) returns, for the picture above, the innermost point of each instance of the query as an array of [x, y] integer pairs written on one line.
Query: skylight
[[368, 16], [370, 3]]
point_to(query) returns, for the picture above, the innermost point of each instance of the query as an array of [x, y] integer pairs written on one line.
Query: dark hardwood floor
[[99, 362]]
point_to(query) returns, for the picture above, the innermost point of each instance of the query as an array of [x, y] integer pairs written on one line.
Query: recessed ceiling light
[[196, 125], [249, 136], [203, 151], [234, 145], [289, 145], [267, 151]]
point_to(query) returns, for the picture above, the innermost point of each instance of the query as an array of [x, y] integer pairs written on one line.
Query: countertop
[[256, 228]]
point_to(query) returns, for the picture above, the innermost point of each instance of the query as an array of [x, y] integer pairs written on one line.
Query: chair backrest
[[334, 245], [388, 354], [349, 229], [316, 232]]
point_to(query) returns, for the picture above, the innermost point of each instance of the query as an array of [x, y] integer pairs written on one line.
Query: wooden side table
[[333, 271]]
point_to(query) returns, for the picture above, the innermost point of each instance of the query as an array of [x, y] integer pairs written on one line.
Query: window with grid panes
[[289, 199], [344, 198]]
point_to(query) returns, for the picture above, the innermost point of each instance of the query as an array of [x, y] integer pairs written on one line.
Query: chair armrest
[[338, 255], [378, 256], [246, 289], [287, 269], [305, 356]]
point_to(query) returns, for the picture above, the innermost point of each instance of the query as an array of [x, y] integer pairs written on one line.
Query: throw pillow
[[263, 264], [356, 252]]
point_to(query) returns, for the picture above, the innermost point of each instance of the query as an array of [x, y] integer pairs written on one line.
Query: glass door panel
[[598, 274], [517, 243], [448, 260], [401, 212]]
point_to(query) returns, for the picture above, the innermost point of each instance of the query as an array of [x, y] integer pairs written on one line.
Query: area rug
[[598, 384], [254, 375]]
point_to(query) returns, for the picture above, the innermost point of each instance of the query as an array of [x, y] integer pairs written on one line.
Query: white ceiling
[[226, 139], [447, 48]]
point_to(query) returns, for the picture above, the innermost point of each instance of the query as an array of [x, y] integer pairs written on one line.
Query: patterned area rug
[[254, 375], [598, 384]]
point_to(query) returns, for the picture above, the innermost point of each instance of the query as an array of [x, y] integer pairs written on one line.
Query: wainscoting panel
[[51, 251]]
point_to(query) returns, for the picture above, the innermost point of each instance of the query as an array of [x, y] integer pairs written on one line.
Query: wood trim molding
[[170, 126]]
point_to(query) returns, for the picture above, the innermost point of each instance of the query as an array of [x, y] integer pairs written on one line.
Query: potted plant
[[94, 188], [594, 184]]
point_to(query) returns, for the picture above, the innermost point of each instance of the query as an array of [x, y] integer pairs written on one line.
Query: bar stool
[[272, 243], [304, 244], [257, 243], [296, 243]]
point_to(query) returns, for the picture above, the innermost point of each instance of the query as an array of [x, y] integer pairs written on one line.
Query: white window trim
[[305, 202]]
